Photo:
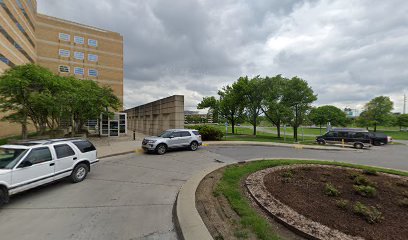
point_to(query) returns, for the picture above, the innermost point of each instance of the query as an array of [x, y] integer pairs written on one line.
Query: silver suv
[[172, 138]]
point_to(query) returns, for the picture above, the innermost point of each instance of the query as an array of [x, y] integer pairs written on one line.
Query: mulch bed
[[303, 189]]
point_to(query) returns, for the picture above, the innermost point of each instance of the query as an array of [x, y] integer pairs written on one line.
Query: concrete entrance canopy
[[155, 117]]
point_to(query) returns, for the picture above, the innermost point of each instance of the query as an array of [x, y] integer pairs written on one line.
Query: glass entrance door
[[113, 128]]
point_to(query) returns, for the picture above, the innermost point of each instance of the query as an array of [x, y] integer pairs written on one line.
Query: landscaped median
[[314, 199]]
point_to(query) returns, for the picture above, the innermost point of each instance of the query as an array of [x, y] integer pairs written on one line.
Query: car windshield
[[165, 134], [10, 156]]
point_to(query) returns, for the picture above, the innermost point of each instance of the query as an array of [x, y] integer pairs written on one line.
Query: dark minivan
[[357, 138]]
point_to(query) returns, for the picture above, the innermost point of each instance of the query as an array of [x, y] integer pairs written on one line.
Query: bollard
[[342, 142]]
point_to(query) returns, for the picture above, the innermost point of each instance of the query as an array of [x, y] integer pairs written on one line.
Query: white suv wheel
[[79, 173]]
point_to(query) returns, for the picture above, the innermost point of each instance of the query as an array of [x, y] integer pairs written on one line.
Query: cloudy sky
[[348, 51]]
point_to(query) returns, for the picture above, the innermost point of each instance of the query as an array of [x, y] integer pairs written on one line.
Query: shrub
[[403, 202], [353, 175], [331, 191], [209, 133], [286, 176], [402, 183], [371, 214], [342, 203], [361, 180], [371, 172], [365, 191]]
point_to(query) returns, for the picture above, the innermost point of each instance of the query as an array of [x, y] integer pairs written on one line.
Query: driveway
[[132, 196]]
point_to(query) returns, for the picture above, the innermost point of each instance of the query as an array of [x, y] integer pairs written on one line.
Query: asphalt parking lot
[[132, 196]]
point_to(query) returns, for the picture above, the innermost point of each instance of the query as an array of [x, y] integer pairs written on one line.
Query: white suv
[[30, 164]]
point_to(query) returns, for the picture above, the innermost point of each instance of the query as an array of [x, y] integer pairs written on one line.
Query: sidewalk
[[110, 146]]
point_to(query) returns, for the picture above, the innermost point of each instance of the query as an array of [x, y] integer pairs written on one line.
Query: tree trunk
[[320, 129], [24, 132], [278, 129], [375, 127], [254, 119], [295, 134]]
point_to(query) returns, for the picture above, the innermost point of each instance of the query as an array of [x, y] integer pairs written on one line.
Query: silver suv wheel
[[161, 149], [194, 146]]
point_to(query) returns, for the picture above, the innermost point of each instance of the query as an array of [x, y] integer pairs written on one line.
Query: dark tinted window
[[84, 146], [380, 135], [64, 150], [196, 133], [185, 134], [331, 134], [176, 134], [342, 134], [359, 135], [39, 155]]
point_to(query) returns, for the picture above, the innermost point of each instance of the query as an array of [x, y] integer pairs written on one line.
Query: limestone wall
[[155, 117]]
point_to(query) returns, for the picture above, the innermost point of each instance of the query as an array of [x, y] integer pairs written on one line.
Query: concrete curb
[[116, 154], [271, 144], [190, 225]]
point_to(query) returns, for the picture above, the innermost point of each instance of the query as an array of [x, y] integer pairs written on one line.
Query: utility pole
[[405, 104]]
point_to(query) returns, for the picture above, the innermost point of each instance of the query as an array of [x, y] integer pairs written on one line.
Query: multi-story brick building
[[64, 47]]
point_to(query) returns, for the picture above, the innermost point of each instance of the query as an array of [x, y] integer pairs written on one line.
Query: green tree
[[212, 104], [272, 107], [251, 95], [402, 121], [33, 93], [21, 87], [231, 105], [324, 114], [298, 97], [377, 112]]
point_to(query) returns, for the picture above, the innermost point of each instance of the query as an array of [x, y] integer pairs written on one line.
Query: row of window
[[6, 60], [78, 55], [78, 71], [43, 154], [17, 23], [15, 44], [20, 5], [77, 39]]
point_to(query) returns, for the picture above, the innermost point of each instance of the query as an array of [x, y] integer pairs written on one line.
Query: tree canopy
[[376, 112], [31, 93], [324, 114]]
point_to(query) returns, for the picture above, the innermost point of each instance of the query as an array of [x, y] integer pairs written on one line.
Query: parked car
[[172, 138], [379, 138], [26, 165], [357, 138]]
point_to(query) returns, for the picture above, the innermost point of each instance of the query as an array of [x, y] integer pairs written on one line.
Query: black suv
[[379, 138], [357, 138]]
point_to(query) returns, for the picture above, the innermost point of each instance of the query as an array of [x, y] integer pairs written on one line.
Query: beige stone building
[[64, 47]]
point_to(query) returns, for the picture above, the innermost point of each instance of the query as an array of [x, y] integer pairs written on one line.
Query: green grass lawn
[[230, 187], [264, 137], [245, 134]]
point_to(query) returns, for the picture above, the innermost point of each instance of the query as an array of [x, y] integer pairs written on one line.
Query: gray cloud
[[349, 51]]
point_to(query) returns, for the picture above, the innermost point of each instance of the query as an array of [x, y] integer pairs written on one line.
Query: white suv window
[[63, 151], [39, 155]]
